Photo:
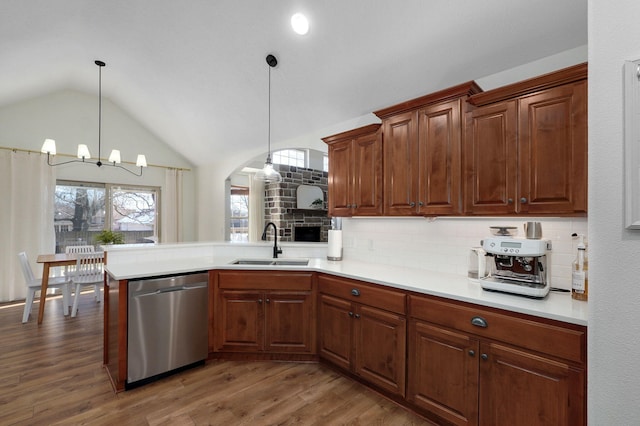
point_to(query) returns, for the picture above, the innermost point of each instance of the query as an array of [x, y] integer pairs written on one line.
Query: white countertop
[[557, 306]]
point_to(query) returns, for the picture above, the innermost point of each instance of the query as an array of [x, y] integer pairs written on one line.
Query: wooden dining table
[[48, 261]]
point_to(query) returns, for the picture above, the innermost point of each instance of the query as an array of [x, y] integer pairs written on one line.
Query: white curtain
[[171, 217], [27, 187], [256, 209]]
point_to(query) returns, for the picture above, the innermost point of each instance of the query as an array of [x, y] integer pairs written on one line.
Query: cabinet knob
[[484, 357], [355, 206], [350, 314], [412, 204], [523, 200], [268, 300], [355, 292], [510, 201], [472, 352], [420, 203], [348, 206], [259, 300], [357, 316], [479, 322]]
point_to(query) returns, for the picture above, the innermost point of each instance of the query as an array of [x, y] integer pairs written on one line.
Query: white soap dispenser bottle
[[580, 272]]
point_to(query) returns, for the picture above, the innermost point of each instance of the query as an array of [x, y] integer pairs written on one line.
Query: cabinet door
[[517, 387], [380, 342], [288, 322], [367, 175], [241, 325], [490, 158], [439, 135], [340, 181], [400, 164], [553, 151], [443, 372], [335, 328]]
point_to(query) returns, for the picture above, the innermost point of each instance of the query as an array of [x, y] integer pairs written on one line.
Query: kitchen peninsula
[[386, 326]]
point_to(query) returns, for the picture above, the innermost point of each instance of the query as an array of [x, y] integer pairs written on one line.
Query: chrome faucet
[[276, 250]]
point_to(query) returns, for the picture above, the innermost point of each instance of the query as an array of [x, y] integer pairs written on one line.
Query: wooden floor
[[52, 375]]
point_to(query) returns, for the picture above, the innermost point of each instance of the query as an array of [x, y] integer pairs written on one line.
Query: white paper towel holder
[[334, 246]]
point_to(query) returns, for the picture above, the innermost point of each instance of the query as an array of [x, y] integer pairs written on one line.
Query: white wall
[[614, 291], [71, 117]]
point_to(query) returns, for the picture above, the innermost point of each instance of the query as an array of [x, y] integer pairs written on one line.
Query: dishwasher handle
[[171, 290]]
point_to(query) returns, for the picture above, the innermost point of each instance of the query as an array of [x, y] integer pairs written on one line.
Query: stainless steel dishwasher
[[167, 325]]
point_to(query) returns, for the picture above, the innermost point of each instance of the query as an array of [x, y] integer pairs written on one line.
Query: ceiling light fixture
[[300, 23], [49, 145], [268, 173]]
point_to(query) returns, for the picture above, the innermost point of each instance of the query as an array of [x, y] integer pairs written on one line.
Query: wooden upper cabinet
[[490, 157], [401, 164], [439, 181], [520, 149], [525, 147], [552, 142], [422, 137], [355, 172], [340, 179]]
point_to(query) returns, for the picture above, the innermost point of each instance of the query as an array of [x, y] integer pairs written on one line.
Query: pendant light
[[268, 174], [49, 145]]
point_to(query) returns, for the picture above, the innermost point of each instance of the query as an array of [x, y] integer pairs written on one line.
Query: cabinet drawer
[[567, 341], [265, 280], [368, 294]]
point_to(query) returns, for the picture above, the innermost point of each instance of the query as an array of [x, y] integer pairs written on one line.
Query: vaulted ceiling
[[194, 71]]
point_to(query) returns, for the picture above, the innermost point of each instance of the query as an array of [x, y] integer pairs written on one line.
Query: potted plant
[[109, 237], [318, 203]]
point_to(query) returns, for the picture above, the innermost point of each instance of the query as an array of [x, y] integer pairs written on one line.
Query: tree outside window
[[83, 209], [239, 213]]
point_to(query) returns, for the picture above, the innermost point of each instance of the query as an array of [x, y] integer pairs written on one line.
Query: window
[[239, 213], [325, 163], [83, 209], [290, 157]]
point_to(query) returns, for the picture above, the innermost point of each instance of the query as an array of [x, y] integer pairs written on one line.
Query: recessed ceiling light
[[300, 23]]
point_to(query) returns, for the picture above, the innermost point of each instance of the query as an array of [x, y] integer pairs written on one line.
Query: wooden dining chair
[[89, 271], [70, 270], [35, 284]]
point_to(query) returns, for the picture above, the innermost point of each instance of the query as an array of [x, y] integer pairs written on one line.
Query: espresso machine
[[517, 265]]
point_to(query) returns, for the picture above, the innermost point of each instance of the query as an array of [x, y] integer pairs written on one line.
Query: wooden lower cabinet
[[518, 387], [262, 311], [453, 362], [466, 378], [365, 340], [443, 372]]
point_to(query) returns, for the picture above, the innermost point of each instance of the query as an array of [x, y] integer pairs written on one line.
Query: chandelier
[[49, 145]]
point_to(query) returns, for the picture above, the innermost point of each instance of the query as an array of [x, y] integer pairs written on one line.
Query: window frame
[[109, 189]]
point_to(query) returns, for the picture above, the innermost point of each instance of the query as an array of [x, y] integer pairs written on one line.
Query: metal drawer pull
[[479, 322], [355, 292]]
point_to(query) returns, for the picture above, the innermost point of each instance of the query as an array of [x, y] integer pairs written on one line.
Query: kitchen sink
[[271, 262]]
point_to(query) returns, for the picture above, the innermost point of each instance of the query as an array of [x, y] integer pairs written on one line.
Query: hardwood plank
[[52, 374]]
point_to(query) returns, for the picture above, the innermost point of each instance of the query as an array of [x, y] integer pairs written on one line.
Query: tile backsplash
[[443, 244]]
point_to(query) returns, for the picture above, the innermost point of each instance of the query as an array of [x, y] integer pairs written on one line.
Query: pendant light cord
[[99, 110], [269, 116], [100, 64]]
